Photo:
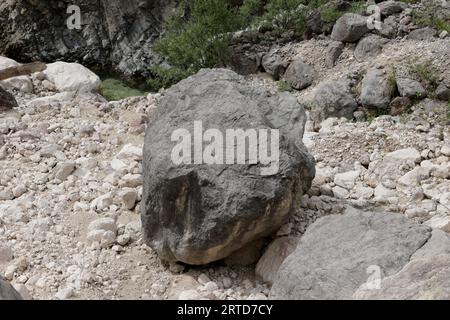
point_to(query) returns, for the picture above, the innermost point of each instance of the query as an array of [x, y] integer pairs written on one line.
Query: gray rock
[[349, 28], [399, 105], [7, 292], [7, 100], [388, 8], [274, 64], [422, 34], [333, 53], [198, 213], [333, 256], [438, 244], [410, 88], [376, 90], [333, 99], [421, 279], [443, 92], [369, 47], [299, 75], [267, 267]]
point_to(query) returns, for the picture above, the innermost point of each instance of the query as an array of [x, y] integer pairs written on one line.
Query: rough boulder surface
[[201, 213], [7, 292], [332, 258]]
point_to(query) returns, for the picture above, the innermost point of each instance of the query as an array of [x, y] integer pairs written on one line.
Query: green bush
[[197, 37], [198, 32], [426, 73]]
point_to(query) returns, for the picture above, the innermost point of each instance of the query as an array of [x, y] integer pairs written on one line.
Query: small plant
[[113, 90], [426, 73], [373, 113], [392, 82], [284, 86], [428, 18]]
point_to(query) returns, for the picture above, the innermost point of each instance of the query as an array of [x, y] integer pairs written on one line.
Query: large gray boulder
[[7, 292], [350, 28], [336, 252], [199, 213], [376, 89], [299, 74], [332, 99], [7, 100]]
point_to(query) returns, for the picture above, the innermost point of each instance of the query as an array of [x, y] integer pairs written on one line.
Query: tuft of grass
[[284, 86], [427, 74], [114, 89], [428, 18]]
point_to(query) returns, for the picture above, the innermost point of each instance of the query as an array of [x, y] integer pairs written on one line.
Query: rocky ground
[[71, 185]]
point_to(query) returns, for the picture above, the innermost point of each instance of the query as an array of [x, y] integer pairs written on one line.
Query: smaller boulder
[[72, 77], [7, 100], [369, 47], [334, 51], [411, 88], [376, 90], [274, 65], [299, 75], [443, 92], [349, 28], [423, 34]]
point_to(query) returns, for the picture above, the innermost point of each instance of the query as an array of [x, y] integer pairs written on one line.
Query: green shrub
[[426, 73], [284, 86], [113, 90], [198, 32], [197, 37], [429, 18]]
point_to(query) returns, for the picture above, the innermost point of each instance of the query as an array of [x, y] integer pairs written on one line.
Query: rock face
[[335, 253], [7, 100], [114, 33], [72, 77], [7, 292], [198, 213], [333, 99], [349, 28]]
